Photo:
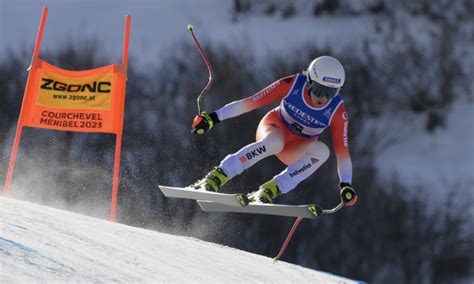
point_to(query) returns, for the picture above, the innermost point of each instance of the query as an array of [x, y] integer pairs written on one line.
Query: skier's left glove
[[203, 122], [348, 194]]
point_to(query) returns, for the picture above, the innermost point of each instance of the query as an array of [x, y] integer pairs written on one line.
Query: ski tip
[[190, 27]]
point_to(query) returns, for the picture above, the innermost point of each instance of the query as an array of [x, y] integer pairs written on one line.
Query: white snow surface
[[422, 160], [157, 25], [40, 244], [443, 159]]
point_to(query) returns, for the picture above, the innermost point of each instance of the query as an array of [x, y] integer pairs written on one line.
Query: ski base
[[305, 211], [232, 200]]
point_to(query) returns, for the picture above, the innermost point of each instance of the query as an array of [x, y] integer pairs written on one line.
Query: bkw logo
[[252, 154]]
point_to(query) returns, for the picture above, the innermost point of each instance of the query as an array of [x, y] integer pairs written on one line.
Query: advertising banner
[[84, 101]]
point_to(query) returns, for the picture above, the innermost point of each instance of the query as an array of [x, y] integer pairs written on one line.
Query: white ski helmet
[[325, 76]]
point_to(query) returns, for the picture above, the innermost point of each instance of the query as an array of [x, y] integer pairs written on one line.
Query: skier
[[310, 102]]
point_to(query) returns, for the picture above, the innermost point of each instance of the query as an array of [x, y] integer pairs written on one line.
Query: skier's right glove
[[348, 194], [203, 122]]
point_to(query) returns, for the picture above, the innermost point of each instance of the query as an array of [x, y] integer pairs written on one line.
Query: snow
[[156, 27], [436, 160], [40, 244]]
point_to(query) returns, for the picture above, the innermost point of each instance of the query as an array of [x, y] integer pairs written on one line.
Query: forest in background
[[390, 236]]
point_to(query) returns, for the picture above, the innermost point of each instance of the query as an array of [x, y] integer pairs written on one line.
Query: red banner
[[84, 101]]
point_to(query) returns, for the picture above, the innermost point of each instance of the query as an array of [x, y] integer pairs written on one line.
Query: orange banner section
[[84, 101]]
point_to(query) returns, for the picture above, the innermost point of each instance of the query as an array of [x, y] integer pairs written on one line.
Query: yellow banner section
[[91, 93]]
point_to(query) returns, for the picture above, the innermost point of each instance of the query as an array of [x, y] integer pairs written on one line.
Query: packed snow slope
[[41, 244]]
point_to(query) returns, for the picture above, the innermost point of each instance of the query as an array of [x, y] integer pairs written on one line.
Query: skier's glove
[[348, 194], [203, 122]]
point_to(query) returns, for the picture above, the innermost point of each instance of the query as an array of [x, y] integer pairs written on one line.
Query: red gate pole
[[118, 140], [115, 183], [11, 165], [126, 40], [19, 129]]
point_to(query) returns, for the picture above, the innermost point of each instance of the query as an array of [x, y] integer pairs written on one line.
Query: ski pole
[[288, 238], [297, 222], [209, 68]]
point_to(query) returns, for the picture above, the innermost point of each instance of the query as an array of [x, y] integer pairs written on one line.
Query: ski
[[231, 200], [304, 211]]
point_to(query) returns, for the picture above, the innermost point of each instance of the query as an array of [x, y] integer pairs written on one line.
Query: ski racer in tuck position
[[310, 103]]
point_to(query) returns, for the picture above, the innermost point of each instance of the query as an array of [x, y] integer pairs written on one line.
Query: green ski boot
[[266, 193], [212, 181]]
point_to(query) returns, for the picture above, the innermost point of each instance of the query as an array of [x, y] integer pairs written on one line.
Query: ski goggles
[[319, 90]]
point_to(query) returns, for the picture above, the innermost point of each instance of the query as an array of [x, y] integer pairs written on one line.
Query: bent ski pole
[[295, 225], [288, 238], [208, 64]]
